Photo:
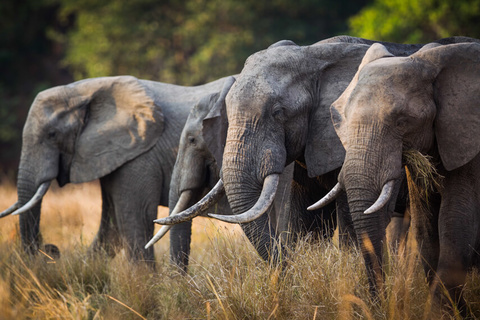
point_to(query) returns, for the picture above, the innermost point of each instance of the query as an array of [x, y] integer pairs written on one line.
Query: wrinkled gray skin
[[279, 112], [121, 130], [427, 102], [197, 170]]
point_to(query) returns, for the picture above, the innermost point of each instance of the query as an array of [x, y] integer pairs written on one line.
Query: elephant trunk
[[244, 179], [370, 230], [30, 220], [263, 203], [371, 183]]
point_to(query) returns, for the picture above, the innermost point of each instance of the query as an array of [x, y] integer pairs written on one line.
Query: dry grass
[[424, 174], [227, 280]]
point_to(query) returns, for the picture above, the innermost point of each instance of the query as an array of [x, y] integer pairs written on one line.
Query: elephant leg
[[424, 223], [319, 223], [458, 226], [107, 238], [180, 238], [135, 190]]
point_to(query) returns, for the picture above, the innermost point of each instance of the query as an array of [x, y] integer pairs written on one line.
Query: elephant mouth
[[381, 201]]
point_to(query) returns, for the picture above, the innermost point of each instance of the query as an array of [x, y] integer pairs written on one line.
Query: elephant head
[[197, 167], [278, 112], [427, 102], [80, 132]]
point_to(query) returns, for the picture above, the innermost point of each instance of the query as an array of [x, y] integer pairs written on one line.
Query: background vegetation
[[44, 43]]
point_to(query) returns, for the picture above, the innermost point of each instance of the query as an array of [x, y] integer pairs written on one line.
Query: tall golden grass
[[226, 280]]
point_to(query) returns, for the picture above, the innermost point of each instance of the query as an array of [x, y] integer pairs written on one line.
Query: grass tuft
[[423, 172]]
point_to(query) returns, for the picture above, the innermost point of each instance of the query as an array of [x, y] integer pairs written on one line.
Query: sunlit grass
[[226, 280]]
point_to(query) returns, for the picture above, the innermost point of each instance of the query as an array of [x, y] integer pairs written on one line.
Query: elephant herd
[[330, 121]]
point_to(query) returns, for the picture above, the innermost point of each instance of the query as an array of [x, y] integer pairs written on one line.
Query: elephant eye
[[401, 122], [278, 112], [52, 134], [191, 139]]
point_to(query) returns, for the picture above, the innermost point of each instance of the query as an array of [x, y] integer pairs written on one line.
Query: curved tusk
[[264, 202], [182, 202], [383, 198], [329, 197], [42, 189], [14, 207], [197, 209]]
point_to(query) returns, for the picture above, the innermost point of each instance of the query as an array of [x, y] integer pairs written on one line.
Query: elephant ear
[[122, 121], [457, 96], [215, 124], [337, 110]]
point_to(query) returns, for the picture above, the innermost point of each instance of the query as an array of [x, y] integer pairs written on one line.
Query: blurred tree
[[29, 63], [190, 41], [417, 20], [44, 43]]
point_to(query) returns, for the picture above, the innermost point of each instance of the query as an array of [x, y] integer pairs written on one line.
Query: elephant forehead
[[250, 92]]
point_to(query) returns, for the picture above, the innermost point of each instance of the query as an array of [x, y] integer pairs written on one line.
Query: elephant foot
[[447, 301]]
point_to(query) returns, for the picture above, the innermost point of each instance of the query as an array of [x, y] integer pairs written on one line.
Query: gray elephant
[[428, 102], [278, 113], [197, 170], [122, 130]]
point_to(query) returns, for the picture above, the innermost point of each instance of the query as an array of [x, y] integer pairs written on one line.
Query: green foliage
[[189, 42], [417, 21]]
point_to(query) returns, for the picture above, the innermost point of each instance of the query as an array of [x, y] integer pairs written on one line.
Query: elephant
[[427, 103], [197, 170], [278, 113], [121, 130]]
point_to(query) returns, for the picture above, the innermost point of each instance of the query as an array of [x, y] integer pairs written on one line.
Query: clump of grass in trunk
[[423, 173]]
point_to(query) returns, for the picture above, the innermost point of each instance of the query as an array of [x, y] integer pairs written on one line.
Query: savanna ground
[[226, 279]]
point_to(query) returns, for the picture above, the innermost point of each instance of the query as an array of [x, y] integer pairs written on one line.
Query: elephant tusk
[[14, 207], [383, 198], [264, 202], [42, 189], [197, 209], [329, 197], [159, 235], [182, 202]]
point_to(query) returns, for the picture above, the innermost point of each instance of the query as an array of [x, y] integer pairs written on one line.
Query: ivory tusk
[[8, 211], [42, 189], [383, 198], [264, 202], [329, 197], [181, 204], [197, 209]]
